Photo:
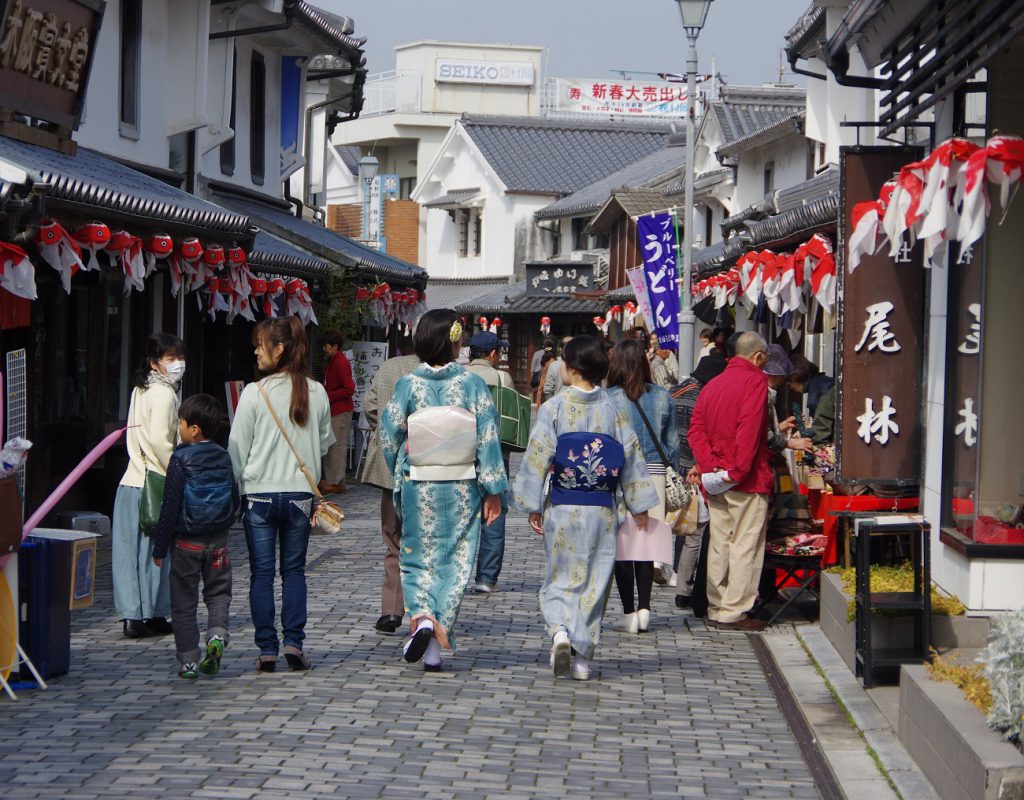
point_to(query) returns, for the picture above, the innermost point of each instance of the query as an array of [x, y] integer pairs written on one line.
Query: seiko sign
[[495, 73]]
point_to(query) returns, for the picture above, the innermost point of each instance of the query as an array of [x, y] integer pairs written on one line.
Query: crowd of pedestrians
[[611, 422]]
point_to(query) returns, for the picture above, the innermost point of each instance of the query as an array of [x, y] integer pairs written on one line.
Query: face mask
[[176, 370]]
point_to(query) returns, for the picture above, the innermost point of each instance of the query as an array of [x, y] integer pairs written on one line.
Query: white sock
[[560, 636], [433, 654], [425, 623]]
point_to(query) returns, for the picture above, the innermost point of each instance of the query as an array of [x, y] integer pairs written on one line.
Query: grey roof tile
[[91, 178], [322, 241], [454, 197], [658, 166], [512, 299], [744, 110], [452, 292], [350, 154], [543, 156], [269, 253]]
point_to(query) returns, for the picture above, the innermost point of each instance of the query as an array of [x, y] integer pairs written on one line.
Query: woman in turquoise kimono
[[439, 436], [598, 468]]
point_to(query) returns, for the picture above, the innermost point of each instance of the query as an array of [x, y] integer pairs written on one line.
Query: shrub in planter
[[1005, 672], [896, 579]]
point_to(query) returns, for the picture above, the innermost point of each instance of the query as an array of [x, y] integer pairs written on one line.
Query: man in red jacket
[[340, 388], [728, 436]]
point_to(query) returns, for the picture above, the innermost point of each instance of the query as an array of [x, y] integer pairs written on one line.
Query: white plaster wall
[[210, 160], [174, 42], [790, 168]]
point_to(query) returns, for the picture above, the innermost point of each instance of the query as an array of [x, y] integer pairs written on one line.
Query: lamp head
[[694, 13], [368, 167]]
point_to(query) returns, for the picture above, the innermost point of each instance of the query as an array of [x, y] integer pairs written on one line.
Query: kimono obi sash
[[586, 469], [442, 444]]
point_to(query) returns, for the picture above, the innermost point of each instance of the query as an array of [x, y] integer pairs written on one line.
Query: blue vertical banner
[[657, 237]]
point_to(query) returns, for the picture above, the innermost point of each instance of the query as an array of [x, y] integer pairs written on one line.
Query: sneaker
[[627, 623], [580, 669], [660, 576], [210, 664], [432, 658], [674, 580], [485, 588], [188, 671], [560, 654]]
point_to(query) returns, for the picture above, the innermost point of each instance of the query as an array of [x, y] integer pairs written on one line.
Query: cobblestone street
[[681, 712]]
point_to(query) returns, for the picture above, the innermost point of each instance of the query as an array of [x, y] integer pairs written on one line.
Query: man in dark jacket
[[727, 436]]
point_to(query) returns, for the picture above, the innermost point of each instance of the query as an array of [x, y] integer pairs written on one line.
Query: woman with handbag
[[281, 431], [141, 590], [439, 436], [651, 412]]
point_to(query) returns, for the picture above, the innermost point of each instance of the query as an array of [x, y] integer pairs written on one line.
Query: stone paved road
[[681, 712]]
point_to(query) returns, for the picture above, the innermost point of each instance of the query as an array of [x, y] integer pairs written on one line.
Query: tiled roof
[[801, 38], [350, 155], [90, 178], [452, 292], [705, 180], [743, 110], [658, 166], [633, 202], [452, 198], [276, 255], [334, 29], [785, 126], [320, 240], [543, 156], [513, 300]]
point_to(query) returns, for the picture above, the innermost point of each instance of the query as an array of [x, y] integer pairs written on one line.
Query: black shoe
[[158, 626], [388, 623], [683, 601], [417, 644], [136, 629]]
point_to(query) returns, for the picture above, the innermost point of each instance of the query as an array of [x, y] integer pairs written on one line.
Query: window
[[405, 188], [556, 237], [580, 241], [470, 223], [227, 150], [462, 220], [478, 232], [257, 118], [769, 176], [709, 224], [603, 241], [131, 45]]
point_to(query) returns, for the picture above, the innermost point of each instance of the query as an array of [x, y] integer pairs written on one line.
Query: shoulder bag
[[677, 491], [327, 515], [152, 489]]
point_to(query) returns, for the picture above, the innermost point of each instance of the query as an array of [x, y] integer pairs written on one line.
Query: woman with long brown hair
[[651, 412], [277, 502]]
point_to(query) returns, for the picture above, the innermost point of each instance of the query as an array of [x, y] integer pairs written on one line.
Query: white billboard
[[493, 73]]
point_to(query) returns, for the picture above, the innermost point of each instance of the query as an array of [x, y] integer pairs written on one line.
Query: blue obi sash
[[586, 469]]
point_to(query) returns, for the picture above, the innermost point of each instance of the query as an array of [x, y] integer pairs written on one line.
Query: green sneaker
[[210, 665], [188, 671]]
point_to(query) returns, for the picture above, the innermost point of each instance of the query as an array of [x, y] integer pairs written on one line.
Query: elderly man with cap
[[485, 355]]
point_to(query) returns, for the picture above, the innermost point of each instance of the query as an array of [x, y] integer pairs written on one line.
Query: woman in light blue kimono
[[439, 436], [598, 468]]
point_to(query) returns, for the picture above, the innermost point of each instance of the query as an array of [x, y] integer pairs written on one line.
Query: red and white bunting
[[59, 250], [17, 275]]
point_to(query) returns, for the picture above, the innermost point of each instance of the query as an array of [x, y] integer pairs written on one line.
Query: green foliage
[[1005, 672], [896, 579], [336, 307], [970, 680]]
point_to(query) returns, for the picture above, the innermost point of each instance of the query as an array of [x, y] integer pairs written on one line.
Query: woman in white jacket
[[141, 591]]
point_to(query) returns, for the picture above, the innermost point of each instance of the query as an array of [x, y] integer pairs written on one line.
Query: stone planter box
[[886, 631], [947, 737]]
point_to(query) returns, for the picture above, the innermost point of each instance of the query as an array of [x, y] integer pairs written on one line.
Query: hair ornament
[[455, 334]]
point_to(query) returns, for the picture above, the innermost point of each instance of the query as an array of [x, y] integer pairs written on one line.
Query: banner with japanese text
[[633, 98], [643, 304], [366, 358], [881, 337], [656, 235]]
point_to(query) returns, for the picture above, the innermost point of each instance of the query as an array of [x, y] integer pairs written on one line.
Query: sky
[[587, 38]]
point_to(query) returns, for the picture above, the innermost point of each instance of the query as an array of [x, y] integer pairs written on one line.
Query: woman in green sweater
[[277, 502]]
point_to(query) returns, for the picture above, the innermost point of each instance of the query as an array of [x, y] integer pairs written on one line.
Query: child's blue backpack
[[586, 469], [210, 502]]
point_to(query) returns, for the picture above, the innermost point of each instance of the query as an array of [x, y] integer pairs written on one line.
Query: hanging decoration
[[17, 275], [482, 322], [545, 326], [240, 277], [940, 199], [93, 236], [780, 280], [601, 324], [614, 314], [495, 325], [300, 301], [127, 249], [629, 311], [59, 249], [183, 266], [158, 247]]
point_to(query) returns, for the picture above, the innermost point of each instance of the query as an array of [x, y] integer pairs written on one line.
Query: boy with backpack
[[200, 502]]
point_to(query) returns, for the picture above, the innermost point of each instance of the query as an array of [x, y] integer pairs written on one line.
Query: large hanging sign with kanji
[[46, 50], [630, 98], [881, 333], [656, 235]]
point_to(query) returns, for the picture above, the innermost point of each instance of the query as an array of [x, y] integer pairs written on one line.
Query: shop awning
[[271, 254], [87, 183], [276, 217]]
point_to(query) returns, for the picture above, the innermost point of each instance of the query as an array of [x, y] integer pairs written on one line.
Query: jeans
[[271, 519], [491, 552], [203, 558]]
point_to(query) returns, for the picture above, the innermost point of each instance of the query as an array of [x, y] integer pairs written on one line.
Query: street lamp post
[[367, 172], [693, 13]]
